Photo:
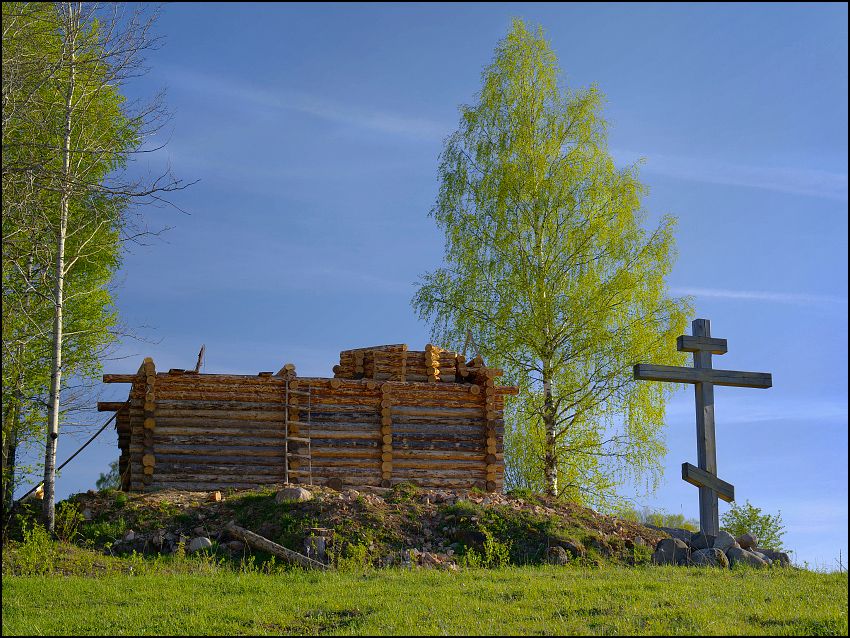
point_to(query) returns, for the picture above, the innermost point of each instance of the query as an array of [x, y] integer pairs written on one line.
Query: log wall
[[206, 431]]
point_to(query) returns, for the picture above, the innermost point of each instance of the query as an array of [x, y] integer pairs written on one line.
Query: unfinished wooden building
[[388, 415]]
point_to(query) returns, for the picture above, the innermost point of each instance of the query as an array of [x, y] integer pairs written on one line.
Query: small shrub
[[121, 499], [402, 493], [743, 519], [67, 521], [36, 555], [101, 532], [496, 554]]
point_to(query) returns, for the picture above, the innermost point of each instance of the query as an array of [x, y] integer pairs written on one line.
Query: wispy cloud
[[801, 299], [797, 180], [365, 117]]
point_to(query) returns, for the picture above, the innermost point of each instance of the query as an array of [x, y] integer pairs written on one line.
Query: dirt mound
[[378, 527]]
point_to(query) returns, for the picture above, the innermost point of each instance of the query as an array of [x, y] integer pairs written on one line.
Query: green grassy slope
[[516, 600]]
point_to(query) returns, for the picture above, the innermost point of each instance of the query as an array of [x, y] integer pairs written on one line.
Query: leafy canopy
[[549, 266]]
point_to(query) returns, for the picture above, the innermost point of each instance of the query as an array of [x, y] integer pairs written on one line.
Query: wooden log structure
[[387, 416]]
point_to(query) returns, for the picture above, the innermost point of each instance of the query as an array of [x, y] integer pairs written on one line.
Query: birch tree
[[77, 133], [548, 264]]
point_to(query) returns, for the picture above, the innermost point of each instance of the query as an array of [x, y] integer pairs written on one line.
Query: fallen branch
[[257, 541]]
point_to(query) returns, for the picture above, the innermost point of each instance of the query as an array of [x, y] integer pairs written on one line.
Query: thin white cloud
[[802, 299], [222, 88], [800, 181]]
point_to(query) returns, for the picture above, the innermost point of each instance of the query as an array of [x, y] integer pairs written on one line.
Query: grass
[[515, 600]]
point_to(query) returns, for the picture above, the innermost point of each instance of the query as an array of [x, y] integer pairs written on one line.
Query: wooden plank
[[688, 343], [110, 406], [119, 378], [701, 478], [676, 374]]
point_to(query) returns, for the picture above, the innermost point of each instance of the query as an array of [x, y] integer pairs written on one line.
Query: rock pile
[[698, 548]]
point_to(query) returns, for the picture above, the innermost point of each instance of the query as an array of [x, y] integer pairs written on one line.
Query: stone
[[557, 556], [199, 531], [158, 538], [709, 557], [674, 532], [236, 546], [737, 555], [87, 514], [293, 495], [724, 541], [670, 551], [701, 540], [747, 541], [129, 536], [334, 484], [215, 497], [778, 558], [198, 543]]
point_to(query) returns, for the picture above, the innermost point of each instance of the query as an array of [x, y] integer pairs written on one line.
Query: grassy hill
[[490, 551]]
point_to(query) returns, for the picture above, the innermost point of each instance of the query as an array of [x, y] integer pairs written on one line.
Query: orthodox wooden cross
[[704, 378]]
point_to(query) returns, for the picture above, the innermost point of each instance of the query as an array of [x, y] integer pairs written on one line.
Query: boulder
[[236, 546], [674, 532], [293, 495], [130, 535], [701, 540], [709, 557], [198, 543], [737, 556], [670, 551], [777, 558], [557, 556], [747, 541], [724, 541]]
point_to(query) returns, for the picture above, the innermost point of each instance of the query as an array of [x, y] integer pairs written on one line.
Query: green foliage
[[68, 521], [549, 267], [746, 518], [36, 555], [104, 532], [657, 517], [110, 479]]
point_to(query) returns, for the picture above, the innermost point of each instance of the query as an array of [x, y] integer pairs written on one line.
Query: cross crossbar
[[676, 374], [695, 476], [687, 343]]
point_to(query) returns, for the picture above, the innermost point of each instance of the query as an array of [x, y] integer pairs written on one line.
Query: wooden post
[[706, 447], [704, 378]]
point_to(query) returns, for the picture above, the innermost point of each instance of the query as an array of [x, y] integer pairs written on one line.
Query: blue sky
[[315, 131]]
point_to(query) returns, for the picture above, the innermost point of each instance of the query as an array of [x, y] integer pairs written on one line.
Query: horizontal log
[[120, 378], [111, 406], [701, 478], [264, 544], [676, 374]]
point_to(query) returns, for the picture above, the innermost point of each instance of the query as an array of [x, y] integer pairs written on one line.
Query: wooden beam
[[675, 374], [257, 541], [687, 343], [701, 478], [119, 378], [110, 406]]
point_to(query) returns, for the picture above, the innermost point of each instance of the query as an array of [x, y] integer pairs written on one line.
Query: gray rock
[[747, 541], [158, 538], [737, 556], [674, 532], [670, 551], [198, 543], [724, 541], [199, 531], [236, 546], [87, 514], [777, 558], [557, 556], [130, 535], [709, 557], [293, 495], [639, 541], [701, 540]]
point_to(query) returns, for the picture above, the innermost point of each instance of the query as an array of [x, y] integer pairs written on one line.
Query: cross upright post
[[704, 377], [706, 446]]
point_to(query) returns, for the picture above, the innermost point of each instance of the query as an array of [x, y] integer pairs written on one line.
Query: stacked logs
[[432, 362], [219, 431], [295, 449], [148, 369], [386, 435]]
